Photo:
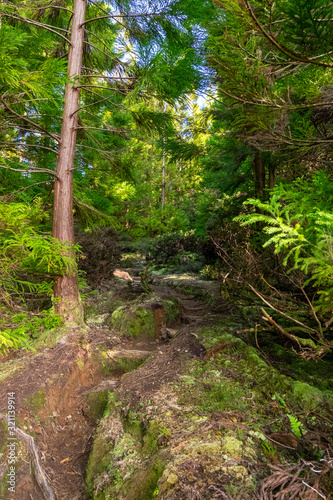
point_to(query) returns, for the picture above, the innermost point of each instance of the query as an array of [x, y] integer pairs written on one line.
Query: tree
[[272, 67], [161, 41]]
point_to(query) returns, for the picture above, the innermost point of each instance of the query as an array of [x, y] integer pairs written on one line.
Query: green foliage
[[298, 220], [187, 252], [25, 328], [296, 426], [25, 252]]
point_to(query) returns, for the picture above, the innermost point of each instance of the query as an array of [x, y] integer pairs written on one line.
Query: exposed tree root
[[33, 451], [103, 386]]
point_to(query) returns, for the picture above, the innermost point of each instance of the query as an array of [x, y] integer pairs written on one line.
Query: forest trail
[[51, 389], [158, 397]]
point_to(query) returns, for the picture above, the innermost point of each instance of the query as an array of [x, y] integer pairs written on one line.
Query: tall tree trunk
[[66, 292], [163, 175], [163, 166]]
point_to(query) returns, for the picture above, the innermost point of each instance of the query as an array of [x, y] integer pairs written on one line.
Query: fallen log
[[127, 353]]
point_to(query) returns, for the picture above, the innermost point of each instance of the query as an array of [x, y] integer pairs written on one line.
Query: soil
[[63, 427], [61, 391]]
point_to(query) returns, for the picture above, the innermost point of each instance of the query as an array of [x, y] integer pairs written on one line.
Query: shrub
[[101, 254], [184, 247], [298, 222]]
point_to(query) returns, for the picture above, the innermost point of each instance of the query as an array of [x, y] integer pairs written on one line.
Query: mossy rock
[[109, 431], [141, 485], [133, 321], [309, 397], [98, 402]]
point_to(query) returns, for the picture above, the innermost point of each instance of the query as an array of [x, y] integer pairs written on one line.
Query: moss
[[127, 365], [3, 437], [167, 481], [309, 397], [98, 402], [212, 448], [142, 485], [123, 445], [267, 379], [89, 311], [99, 459], [135, 321], [51, 337], [201, 293], [232, 447], [133, 425], [150, 439], [9, 368], [172, 308], [36, 402], [80, 364]]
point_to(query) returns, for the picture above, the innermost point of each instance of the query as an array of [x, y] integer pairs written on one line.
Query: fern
[[296, 426], [300, 223]]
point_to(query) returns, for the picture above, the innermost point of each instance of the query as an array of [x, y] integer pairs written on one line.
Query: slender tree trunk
[[271, 182], [163, 176], [163, 166], [180, 175], [259, 174], [66, 287]]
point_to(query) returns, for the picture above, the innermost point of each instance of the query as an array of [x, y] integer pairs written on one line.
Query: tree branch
[[22, 117], [120, 16], [50, 6], [107, 129], [280, 312], [289, 53], [268, 318], [105, 12], [30, 171], [102, 151], [29, 146], [100, 50], [110, 77], [36, 23], [121, 106]]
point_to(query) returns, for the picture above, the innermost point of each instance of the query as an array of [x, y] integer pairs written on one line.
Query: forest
[[166, 249]]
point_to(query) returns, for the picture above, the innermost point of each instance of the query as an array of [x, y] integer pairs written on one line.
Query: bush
[[298, 222], [101, 254], [182, 247]]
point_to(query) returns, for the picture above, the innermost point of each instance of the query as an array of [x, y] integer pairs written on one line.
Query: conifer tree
[[158, 59]]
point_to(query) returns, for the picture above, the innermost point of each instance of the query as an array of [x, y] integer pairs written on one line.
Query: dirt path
[[51, 406]]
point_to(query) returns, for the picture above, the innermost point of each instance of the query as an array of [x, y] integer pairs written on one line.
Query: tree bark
[[66, 292], [163, 167]]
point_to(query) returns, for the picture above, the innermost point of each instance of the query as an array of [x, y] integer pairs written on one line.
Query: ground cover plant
[[166, 251]]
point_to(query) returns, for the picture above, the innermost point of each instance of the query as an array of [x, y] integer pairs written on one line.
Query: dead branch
[[103, 386], [115, 16], [33, 451], [40, 25], [278, 311], [126, 353], [31, 171], [279, 328]]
